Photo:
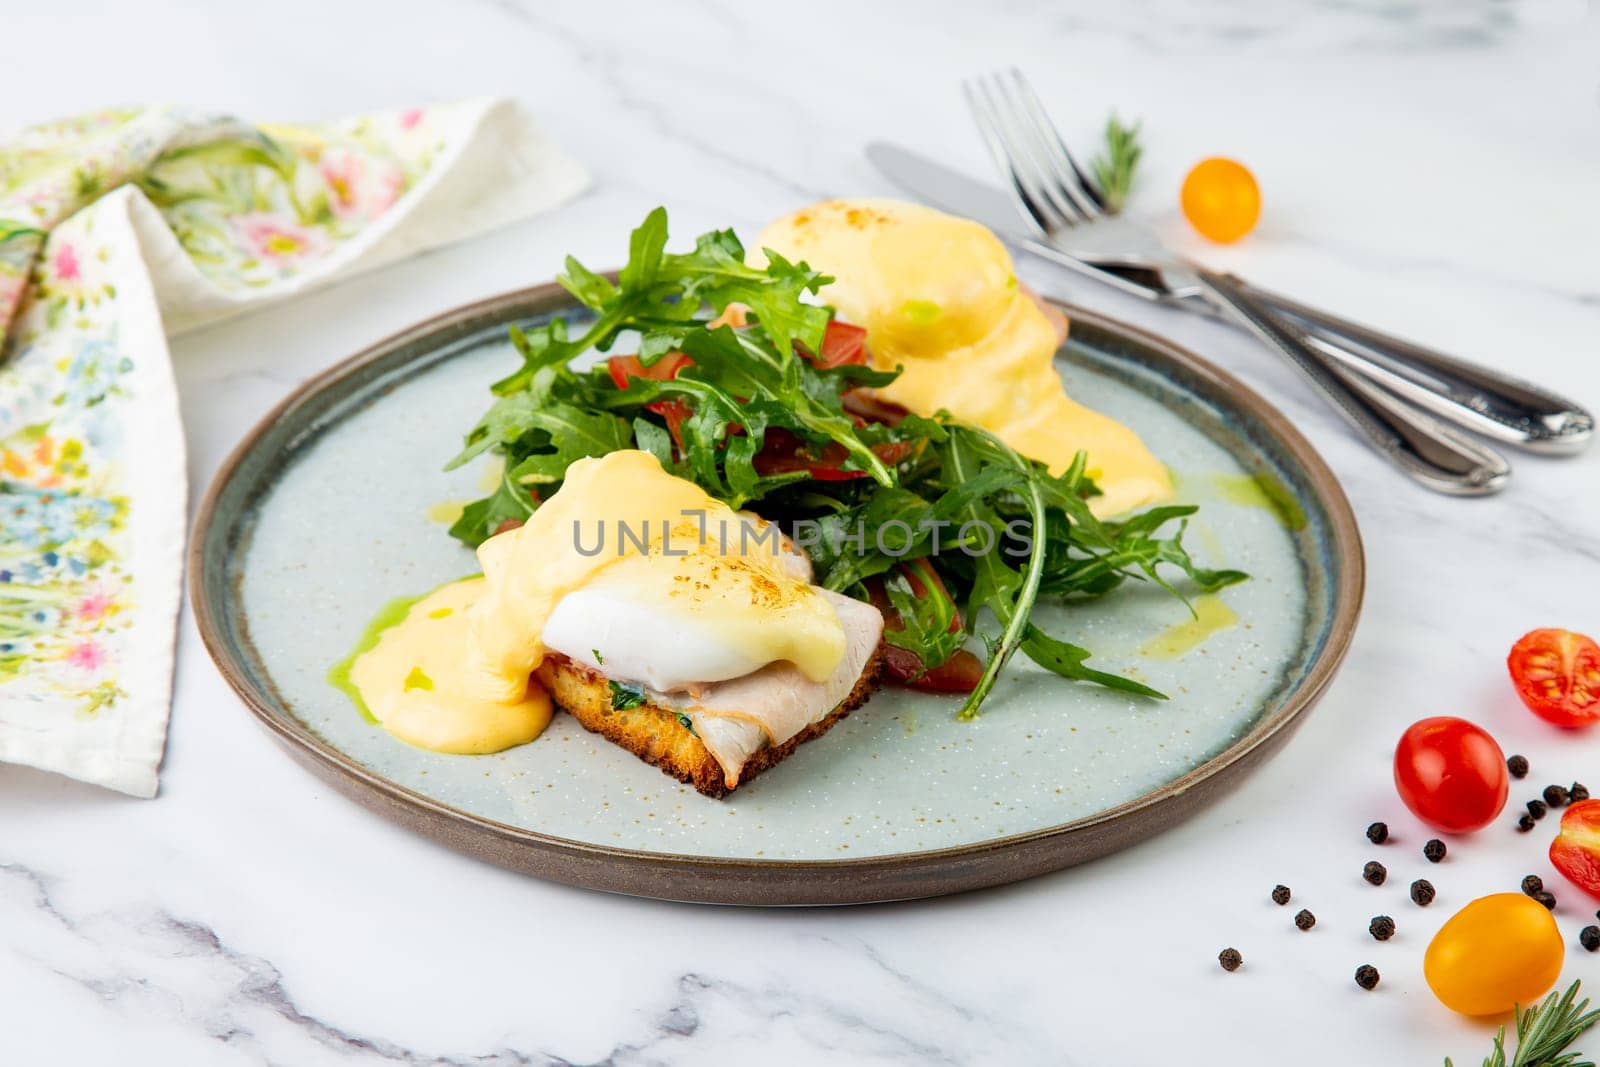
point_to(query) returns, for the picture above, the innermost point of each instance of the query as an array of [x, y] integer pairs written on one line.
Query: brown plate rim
[[741, 880]]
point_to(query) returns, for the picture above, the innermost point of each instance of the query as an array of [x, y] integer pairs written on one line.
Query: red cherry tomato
[[1557, 674], [1576, 850], [1451, 774]]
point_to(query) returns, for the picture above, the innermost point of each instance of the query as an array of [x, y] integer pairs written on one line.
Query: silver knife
[[1475, 397]]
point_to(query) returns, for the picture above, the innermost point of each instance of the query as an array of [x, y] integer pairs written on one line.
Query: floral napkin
[[115, 229]]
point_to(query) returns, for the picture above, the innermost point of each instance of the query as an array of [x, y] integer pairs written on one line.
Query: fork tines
[[1046, 180]]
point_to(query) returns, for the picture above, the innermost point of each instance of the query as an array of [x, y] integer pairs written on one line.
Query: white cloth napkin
[[115, 230]]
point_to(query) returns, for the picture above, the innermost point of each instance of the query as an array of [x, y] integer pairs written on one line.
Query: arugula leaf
[[998, 531]]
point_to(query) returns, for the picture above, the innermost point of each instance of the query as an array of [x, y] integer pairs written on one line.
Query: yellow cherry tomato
[[1495, 953], [1220, 199]]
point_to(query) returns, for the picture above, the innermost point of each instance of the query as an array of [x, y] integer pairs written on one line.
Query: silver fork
[[1070, 211]]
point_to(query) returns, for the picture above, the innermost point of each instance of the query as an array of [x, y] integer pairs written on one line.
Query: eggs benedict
[[939, 299], [661, 618]]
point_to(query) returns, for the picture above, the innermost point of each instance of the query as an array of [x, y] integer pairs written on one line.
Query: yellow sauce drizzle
[[1263, 489], [1211, 614]]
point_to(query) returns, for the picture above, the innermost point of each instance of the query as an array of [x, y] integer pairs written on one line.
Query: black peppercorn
[[1589, 937], [1304, 919], [1555, 796], [1374, 872], [1545, 897], [1524, 823], [1578, 792], [1378, 833], [1230, 959], [1280, 894], [1532, 884], [1518, 766], [1367, 976], [1422, 892], [1381, 927], [1434, 850], [1536, 808]]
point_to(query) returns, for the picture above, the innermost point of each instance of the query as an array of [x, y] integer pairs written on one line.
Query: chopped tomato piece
[[868, 407], [1557, 675], [958, 674], [507, 524], [676, 413], [783, 451], [842, 344], [1576, 850], [920, 573], [623, 368]]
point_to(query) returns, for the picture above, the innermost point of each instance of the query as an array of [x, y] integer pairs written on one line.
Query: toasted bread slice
[[656, 734]]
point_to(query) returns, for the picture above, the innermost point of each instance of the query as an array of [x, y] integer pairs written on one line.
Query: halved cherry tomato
[[1497, 952], [1576, 849], [1557, 675], [842, 343], [1451, 774], [623, 368]]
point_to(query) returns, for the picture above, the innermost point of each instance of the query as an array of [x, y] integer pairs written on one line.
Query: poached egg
[[639, 576], [939, 299]]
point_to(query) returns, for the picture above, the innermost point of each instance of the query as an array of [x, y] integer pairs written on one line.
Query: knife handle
[[1424, 448], [1486, 401]]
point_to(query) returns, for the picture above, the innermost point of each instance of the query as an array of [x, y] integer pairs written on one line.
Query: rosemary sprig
[[1113, 167], [1544, 1032]]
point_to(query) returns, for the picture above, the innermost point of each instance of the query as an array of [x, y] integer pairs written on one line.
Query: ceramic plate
[[336, 504]]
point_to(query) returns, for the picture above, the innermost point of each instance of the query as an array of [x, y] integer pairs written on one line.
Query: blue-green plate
[[336, 503]]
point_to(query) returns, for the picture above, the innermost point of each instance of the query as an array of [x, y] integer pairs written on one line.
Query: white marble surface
[[1430, 166]]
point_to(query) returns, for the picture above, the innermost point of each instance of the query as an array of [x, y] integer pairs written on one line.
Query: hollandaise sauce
[[939, 299], [415, 677], [631, 555]]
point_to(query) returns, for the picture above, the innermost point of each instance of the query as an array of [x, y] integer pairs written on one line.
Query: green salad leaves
[[933, 520]]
